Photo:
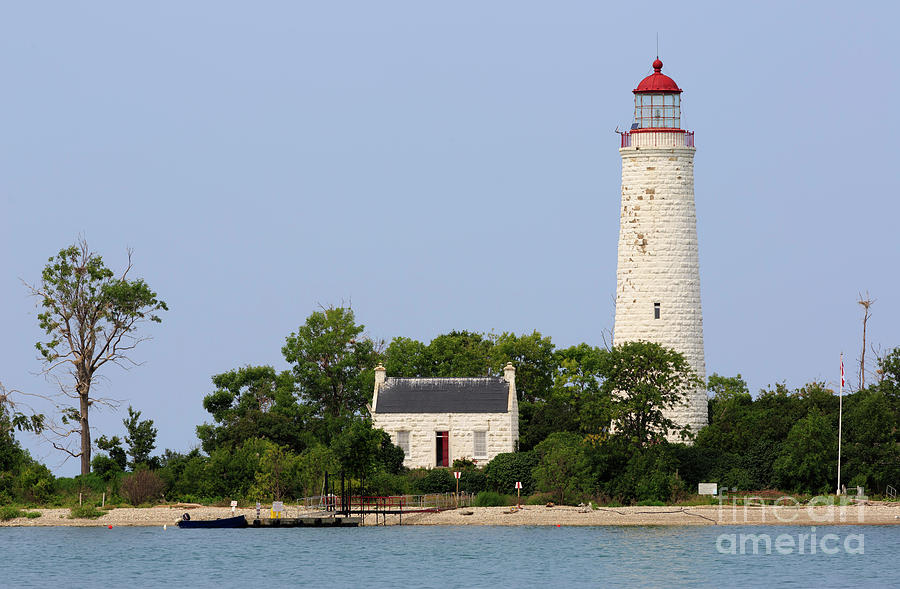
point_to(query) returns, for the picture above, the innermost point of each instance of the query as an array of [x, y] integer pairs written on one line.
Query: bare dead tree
[[880, 354], [866, 303], [90, 316]]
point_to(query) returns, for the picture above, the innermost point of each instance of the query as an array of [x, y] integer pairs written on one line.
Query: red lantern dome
[[657, 81]]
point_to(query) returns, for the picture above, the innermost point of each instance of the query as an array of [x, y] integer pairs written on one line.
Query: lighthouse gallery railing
[[657, 138]]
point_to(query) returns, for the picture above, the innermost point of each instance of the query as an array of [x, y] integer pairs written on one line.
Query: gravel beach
[[531, 515]]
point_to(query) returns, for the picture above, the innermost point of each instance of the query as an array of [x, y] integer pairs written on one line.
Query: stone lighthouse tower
[[658, 274]]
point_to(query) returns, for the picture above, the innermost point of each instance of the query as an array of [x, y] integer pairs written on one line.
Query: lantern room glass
[[657, 111]]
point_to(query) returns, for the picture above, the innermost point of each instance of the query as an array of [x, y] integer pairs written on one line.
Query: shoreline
[[529, 515]]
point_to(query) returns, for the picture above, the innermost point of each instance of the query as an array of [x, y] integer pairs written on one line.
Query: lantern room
[[657, 101]]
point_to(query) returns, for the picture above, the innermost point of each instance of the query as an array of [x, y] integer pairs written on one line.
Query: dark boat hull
[[229, 522]]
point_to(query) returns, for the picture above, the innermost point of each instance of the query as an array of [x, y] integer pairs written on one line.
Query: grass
[[650, 503], [695, 500], [489, 499], [85, 512]]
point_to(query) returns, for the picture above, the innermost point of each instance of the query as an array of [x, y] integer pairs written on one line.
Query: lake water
[[419, 556]]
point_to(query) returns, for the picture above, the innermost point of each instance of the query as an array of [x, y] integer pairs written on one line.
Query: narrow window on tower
[[656, 310]]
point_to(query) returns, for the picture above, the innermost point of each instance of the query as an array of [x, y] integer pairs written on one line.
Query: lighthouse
[[658, 272]]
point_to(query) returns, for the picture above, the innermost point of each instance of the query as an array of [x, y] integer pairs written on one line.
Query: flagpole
[[840, 422]]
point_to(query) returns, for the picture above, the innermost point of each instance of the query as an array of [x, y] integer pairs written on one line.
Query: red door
[[442, 449]]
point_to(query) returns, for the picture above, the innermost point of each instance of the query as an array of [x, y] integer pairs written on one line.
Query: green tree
[[315, 462], [333, 362], [889, 372], [578, 384], [255, 402], [404, 358], [562, 468], [231, 472], [543, 417], [140, 435], [643, 381], [91, 317], [390, 456], [504, 470], [113, 447], [871, 444], [535, 361], [649, 474], [358, 449], [808, 459], [726, 391], [278, 474], [457, 354]]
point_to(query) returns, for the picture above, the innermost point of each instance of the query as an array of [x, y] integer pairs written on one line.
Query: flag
[[842, 371]]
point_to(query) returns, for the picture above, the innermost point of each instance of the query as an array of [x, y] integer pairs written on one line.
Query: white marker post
[[457, 475], [233, 506], [518, 494]]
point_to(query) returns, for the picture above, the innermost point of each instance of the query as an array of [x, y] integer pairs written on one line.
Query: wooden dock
[[306, 522]]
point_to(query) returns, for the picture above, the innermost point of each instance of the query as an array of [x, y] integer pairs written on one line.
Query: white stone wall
[[501, 428], [658, 262]]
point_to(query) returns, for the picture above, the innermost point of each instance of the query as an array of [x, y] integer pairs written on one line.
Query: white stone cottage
[[437, 420]]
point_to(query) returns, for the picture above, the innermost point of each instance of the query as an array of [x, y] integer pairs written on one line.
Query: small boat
[[228, 522]]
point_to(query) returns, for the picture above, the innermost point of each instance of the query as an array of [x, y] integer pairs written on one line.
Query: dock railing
[[382, 503]]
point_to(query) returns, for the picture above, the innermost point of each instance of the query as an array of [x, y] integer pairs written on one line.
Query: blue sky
[[441, 167]]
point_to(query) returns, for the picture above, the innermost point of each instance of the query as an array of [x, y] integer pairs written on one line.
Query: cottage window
[[656, 310], [403, 442], [480, 443]]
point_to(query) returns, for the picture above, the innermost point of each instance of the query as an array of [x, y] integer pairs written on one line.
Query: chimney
[[509, 372], [379, 382], [509, 375]]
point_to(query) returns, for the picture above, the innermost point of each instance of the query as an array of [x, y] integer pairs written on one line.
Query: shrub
[[472, 481], [737, 478], [383, 483], [85, 512], [489, 499], [390, 457], [539, 499], [142, 486], [562, 467], [36, 482], [9, 512], [438, 480], [105, 467], [505, 469], [648, 475], [464, 464], [32, 514], [313, 464], [650, 503]]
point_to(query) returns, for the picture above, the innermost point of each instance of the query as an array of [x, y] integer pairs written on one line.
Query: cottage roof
[[443, 395]]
